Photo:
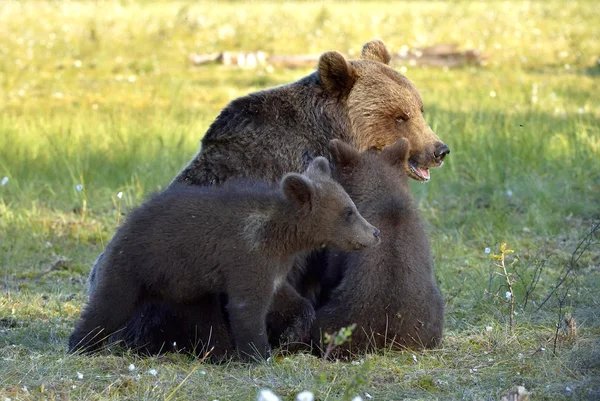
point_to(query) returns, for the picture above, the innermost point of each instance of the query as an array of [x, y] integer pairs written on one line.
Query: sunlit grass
[[101, 94]]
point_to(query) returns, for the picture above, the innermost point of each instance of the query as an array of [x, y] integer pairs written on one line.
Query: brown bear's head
[[383, 106]]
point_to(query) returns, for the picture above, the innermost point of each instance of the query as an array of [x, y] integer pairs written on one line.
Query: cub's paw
[[299, 329]]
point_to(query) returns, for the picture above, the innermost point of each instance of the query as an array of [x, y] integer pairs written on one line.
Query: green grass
[[101, 94]]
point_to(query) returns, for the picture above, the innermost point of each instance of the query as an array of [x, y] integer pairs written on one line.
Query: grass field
[[100, 94]]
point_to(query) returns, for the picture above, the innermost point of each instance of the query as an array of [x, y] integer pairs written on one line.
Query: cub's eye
[[349, 214], [422, 110]]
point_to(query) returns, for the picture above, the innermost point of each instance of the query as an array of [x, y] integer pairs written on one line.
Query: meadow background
[[101, 95]]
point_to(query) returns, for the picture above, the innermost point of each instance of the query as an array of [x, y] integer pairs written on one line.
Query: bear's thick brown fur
[[389, 292], [237, 241], [271, 132]]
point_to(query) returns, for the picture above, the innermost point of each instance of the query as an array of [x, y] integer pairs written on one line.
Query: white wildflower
[[267, 395], [77, 63], [568, 389], [520, 356], [203, 372], [120, 195], [79, 187], [508, 295], [488, 328], [305, 396], [487, 250], [368, 396], [493, 94], [4, 181], [132, 78], [414, 357], [152, 372], [79, 375], [131, 367], [509, 193]]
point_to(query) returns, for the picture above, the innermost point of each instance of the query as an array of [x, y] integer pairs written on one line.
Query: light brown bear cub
[[238, 240], [390, 292]]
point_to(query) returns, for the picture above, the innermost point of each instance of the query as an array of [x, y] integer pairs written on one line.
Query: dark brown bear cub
[[239, 240], [390, 292]]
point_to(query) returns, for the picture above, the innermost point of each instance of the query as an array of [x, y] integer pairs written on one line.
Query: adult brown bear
[[266, 134]]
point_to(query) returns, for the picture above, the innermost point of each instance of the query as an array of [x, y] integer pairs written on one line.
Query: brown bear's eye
[[402, 118]]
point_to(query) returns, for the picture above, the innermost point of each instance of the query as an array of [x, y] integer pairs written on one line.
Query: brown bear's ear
[[336, 74], [298, 190], [343, 155], [397, 153], [319, 165], [375, 50]]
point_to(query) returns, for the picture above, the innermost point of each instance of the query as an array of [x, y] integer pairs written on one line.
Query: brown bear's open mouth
[[419, 174]]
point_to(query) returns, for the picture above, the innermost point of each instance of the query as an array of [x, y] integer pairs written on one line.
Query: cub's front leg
[[290, 317], [249, 300]]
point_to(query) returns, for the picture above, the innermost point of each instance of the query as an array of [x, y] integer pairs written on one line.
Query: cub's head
[[325, 211], [371, 173], [383, 106]]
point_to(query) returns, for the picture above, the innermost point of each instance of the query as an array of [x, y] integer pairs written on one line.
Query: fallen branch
[[443, 55]]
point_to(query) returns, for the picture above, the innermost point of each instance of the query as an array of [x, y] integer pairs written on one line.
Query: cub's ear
[[298, 190], [343, 154], [319, 165], [397, 153], [336, 74], [375, 50]]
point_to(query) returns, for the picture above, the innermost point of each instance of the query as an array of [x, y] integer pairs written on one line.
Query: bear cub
[[188, 243], [389, 292]]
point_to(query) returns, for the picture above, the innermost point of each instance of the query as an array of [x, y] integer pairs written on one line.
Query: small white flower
[[77, 63], [520, 356], [73, 387], [132, 78], [368, 396], [516, 313], [174, 343], [568, 389], [79, 375], [543, 349], [508, 295], [131, 367], [79, 187], [267, 395], [509, 193], [487, 250], [414, 357], [305, 396], [203, 372], [4, 181], [493, 94], [120, 195], [488, 328], [152, 372]]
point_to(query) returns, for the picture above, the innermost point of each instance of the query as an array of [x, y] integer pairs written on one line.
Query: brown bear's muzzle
[[441, 152]]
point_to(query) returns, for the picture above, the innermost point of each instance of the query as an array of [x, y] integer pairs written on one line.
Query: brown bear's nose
[[441, 152]]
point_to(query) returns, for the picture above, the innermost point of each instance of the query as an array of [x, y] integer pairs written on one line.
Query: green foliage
[[101, 94]]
